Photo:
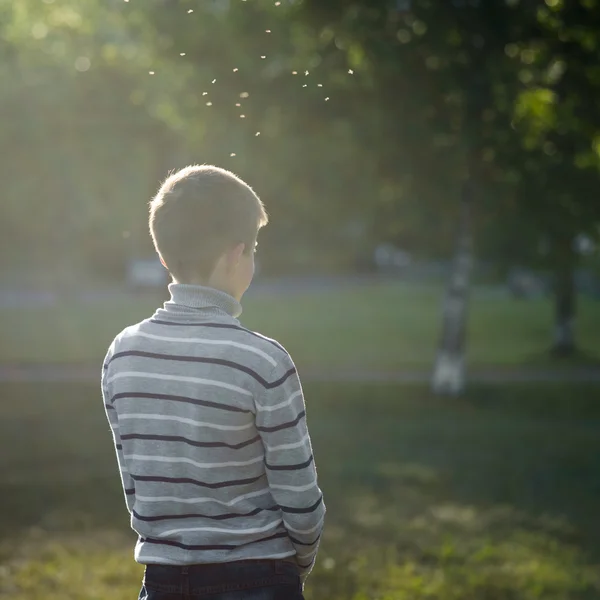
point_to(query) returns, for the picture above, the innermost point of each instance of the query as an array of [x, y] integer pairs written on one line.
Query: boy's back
[[208, 418], [210, 428]]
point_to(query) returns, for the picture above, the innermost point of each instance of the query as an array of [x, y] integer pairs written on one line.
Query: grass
[[380, 326], [494, 497]]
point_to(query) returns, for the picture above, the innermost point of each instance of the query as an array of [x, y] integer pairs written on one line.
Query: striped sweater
[[209, 426]]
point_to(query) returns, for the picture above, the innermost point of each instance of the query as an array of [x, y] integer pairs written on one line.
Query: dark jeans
[[242, 580]]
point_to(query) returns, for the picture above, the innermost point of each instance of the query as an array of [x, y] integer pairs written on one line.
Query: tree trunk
[[449, 369], [564, 299]]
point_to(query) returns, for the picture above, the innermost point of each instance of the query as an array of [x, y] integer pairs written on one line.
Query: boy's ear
[[236, 253]]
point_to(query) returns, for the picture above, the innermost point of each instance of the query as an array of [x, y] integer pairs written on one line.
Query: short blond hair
[[197, 214]]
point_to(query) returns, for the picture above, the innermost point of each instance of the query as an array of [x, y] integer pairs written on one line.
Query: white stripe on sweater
[[306, 531], [189, 461], [181, 379], [187, 421], [295, 488], [280, 405], [221, 530], [143, 559], [273, 556], [288, 446], [159, 560], [163, 338], [202, 500]]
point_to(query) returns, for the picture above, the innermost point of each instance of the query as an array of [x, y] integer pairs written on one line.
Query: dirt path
[[89, 374]]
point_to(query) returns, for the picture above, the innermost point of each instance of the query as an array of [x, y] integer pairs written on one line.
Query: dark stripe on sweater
[[215, 547], [290, 467], [305, 543], [130, 491], [184, 440], [109, 407], [208, 361], [302, 511], [184, 399], [213, 486], [282, 379], [223, 517], [119, 446], [283, 425]]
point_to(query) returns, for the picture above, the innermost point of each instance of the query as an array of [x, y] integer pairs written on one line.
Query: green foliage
[[504, 89], [359, 118], [535, 107]]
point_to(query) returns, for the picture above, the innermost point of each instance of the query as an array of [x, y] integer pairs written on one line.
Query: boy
[[208, 418]]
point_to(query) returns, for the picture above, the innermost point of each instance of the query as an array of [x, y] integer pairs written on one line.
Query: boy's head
[[204, 222]]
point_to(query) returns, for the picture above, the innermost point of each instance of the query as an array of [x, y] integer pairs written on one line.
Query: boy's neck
[[202, 297]]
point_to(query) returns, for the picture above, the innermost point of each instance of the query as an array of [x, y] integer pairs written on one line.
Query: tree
[[533, 144], [409, 106]]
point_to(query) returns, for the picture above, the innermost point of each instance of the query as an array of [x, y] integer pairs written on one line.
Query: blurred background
[[431, 169]]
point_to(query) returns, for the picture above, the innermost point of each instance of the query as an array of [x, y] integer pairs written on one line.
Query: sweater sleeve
[[113, 421], [289, 461]]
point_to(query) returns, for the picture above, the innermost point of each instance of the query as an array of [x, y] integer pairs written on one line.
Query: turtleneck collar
[[199, 297]]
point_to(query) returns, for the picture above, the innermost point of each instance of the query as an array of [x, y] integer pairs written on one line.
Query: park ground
[[371, 326], [493, 496]]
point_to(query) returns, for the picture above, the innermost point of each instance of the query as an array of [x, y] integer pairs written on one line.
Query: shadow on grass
[[493, 497], [579, 359]]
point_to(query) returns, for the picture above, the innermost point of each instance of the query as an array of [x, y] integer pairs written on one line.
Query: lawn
[[494, 497], [380, 326]]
